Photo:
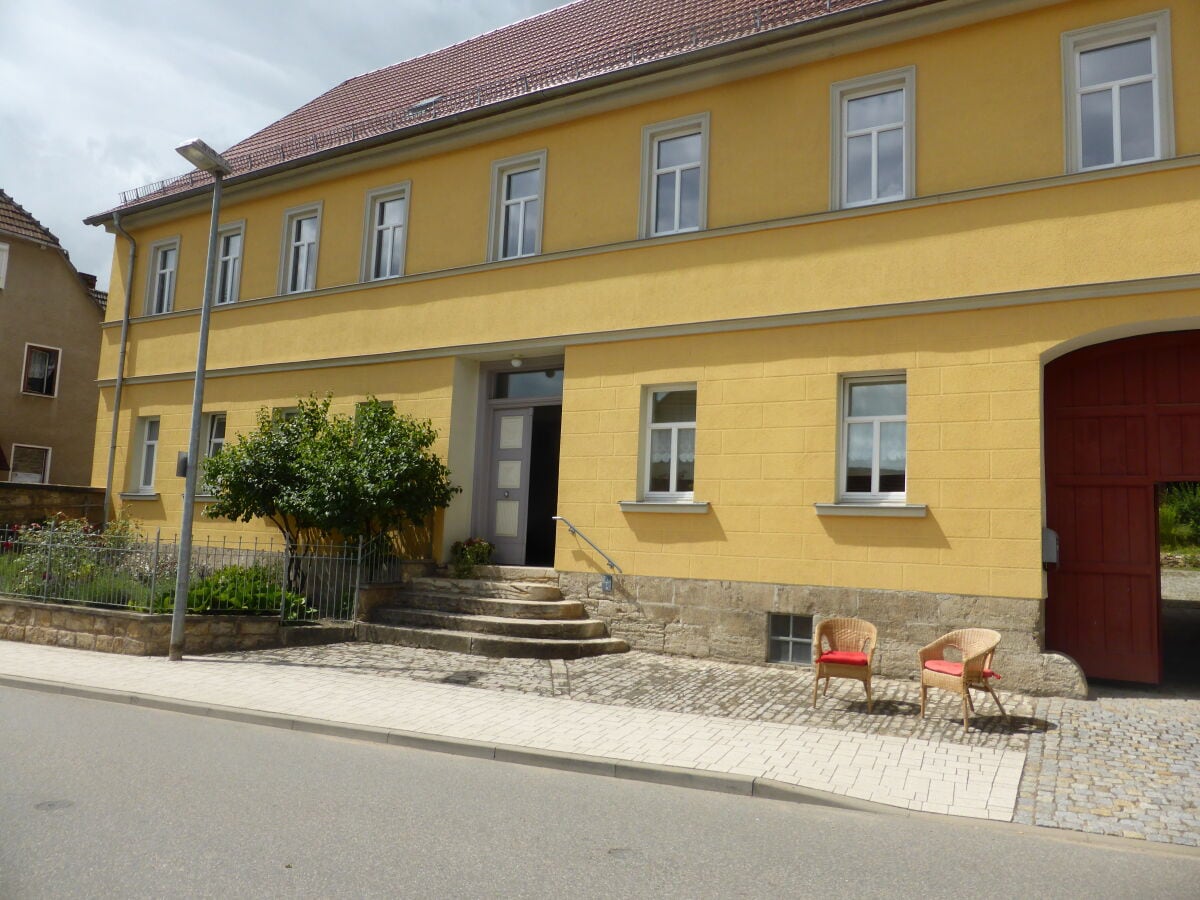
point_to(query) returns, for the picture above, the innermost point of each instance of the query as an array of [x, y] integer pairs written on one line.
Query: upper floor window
[[1118, 91], [517, 187], [3, 264], [41, 370], [670, 443], [229, 264], [387, 226], [30, 464], [301, 233], [675, 176], [874, 438], [164, 262], [873, 152]]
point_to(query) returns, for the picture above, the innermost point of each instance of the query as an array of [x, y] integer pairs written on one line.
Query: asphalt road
[[106, 800]]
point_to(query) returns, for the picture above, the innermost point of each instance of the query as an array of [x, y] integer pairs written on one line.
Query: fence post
[[357, 580], [49, 562], [154, 570], [283, 574]]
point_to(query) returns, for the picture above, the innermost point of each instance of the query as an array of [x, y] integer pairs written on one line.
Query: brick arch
[[1121, 417]]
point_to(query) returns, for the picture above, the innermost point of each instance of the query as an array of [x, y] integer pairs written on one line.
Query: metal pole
[[193, 456], [154, 570]]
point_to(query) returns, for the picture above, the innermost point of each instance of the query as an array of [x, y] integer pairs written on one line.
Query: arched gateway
[[1121, 419]]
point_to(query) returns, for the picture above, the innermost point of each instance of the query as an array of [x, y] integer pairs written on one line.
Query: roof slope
[[16, 220], [569, 44]]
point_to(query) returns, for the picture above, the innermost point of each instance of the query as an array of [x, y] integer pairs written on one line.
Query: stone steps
[[554, 629], [492, 645], [497, 588], [470, 604]]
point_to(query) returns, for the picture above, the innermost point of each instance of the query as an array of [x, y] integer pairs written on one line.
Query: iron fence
[[68, 561]]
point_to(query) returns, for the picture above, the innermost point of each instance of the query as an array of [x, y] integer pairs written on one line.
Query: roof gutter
[[120, 381], [828, 22]]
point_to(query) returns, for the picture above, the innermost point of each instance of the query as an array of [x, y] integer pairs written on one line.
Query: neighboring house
[[50, 318], [793, 309]]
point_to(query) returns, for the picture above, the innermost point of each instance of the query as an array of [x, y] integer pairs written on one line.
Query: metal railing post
[[154, 570]]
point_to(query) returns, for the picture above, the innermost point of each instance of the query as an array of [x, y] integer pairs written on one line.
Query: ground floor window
[[790, 639], [30, 465]]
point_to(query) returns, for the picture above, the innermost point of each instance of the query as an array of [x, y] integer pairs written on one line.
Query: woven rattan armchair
[[977, 646], [843, 648]]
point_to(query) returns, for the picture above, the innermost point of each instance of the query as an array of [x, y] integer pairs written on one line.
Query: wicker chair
[[845, 648], [977, 646]]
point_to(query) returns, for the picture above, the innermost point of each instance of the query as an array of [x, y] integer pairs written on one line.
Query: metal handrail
[[573, 530]]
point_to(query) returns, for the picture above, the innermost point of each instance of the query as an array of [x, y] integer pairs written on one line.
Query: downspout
[[112, 442]]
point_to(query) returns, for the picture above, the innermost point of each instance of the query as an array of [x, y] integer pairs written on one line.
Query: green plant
[[466, 555], [243, 589], [1173, 533]]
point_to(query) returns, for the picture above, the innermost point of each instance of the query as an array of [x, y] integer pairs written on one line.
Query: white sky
[[98, 93]]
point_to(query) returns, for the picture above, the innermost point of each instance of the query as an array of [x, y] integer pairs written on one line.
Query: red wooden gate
[[1121, 417]]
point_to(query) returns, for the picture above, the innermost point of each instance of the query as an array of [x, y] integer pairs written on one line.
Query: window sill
[[893, 510], [38, 394], [664, 506], [138, 495]]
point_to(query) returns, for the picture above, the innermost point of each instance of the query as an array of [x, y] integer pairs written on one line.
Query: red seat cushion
[[949, 667], [843, 658]]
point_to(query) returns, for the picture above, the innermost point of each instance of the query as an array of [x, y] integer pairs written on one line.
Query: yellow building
[[793, 310]]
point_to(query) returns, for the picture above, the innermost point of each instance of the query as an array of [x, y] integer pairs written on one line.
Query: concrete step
[[487, 587], [492, 645], [554, 629], [485, 606]]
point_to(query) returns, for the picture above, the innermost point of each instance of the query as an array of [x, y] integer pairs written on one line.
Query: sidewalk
[[1120, 766]]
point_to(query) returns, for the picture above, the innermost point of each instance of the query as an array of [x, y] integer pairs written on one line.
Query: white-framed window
[[1117, 86], [29, 464], [669, 438], [873, 138], [386, 232], [874, 438], [301, 240], [790, 639], [40, 375], [518, 188], [213, 427], [674, 176], [164, 265], [3, 265], [148, 427], [229, 263]]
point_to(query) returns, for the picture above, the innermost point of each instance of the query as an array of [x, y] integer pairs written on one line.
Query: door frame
[[483, 428]]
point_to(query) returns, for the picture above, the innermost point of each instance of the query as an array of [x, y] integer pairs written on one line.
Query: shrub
[[466, 555], [245, 589]]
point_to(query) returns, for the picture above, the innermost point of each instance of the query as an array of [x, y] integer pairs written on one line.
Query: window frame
[[57, 369], [501, 170], [223, 233], [648, 427], [652, 136], [208, 425], [157, 251], [3, 264], [840, 93], [790, 641], [1157, 27], [286, 255], [374, 200], [144, 443], [845, 420], [12, 459]]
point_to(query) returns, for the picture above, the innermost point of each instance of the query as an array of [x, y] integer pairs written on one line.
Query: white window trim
[[904, 78], [45, 472], [1157, 27], [3, 265], [25, 372], [232, 228], [156, 251], [862, 500], [375, 197], [206, 428], [501, 169], [290, 217], [143, 427], [651, 135], [646, 496]]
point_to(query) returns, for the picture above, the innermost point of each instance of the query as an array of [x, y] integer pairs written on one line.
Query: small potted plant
[[466, 555]]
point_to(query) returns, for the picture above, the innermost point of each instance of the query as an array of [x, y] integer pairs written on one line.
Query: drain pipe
[[116, 415]]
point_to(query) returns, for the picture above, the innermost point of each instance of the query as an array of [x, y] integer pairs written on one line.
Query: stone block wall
[[21, 504], [728, 620]]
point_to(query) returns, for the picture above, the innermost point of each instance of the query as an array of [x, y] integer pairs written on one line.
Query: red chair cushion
[[843, 658], [949, 667]]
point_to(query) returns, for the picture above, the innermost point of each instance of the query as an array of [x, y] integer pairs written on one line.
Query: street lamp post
[[205, 158]]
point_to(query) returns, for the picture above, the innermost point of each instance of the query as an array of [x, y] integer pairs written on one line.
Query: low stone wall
[[141, 634], [729, 621], [21, 504]]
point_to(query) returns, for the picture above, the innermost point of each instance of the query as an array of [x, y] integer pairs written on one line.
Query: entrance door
[[1120, 417], [508, 496]]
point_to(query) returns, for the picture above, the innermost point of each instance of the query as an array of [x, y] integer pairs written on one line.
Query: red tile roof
[[16, 220], [566, 45]]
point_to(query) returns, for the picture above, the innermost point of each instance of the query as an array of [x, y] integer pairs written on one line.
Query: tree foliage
[[346, 476]]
